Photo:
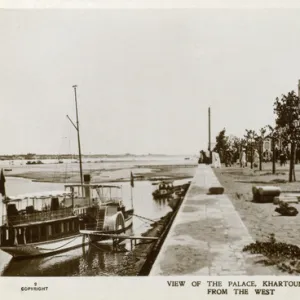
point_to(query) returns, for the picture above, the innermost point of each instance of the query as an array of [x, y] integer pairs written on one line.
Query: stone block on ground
[[255, 193], [265, 194], [266, 199], [296, 195], [269, 190], [285, 199], [254, 189], [285, 210], [216, 190]]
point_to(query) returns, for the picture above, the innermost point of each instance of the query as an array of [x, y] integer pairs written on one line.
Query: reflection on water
[[162, 201], [89, 260], [85, 261]]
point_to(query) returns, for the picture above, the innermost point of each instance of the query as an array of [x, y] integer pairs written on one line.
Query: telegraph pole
[[209, 135]]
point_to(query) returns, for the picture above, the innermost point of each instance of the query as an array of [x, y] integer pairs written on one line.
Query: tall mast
[[78, 136]]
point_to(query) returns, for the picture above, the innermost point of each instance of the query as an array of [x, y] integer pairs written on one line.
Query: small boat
[[40, 224], [164, 190], [38, 162]]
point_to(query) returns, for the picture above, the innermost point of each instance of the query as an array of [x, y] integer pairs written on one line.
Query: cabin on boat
[[107, 199], [93, 194], [48, 216], [37, 217], [90, 194]]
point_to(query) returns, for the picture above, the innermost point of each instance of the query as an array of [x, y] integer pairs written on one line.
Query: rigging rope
[[59, 246], [151, 220]]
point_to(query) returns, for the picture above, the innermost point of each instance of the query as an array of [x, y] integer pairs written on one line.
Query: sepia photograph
[[151, 143]]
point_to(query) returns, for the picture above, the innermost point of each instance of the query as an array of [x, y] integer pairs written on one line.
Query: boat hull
[[46, 248], [158, 195]]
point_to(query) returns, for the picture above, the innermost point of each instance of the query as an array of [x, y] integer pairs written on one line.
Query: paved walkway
[[207, 236]]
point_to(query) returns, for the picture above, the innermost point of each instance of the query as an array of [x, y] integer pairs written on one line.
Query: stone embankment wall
[[207, 236]]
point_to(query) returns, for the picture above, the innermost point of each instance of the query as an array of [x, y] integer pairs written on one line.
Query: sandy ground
[[119, 173], [261, 218]]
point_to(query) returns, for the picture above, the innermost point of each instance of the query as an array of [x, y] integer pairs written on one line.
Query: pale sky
[[145, 77]]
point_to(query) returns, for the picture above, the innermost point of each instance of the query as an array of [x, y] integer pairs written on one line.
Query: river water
[[88, 260]]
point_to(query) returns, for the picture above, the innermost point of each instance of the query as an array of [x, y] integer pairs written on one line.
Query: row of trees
[[286, 130]]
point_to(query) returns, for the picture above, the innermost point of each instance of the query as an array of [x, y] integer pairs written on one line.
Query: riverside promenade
[[207, 236]]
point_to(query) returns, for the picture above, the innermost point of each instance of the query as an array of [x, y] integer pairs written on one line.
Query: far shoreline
[[121, 173]]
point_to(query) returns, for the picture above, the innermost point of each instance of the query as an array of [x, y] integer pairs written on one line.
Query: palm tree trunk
[[260, 155], [292, 163], [273, 156]]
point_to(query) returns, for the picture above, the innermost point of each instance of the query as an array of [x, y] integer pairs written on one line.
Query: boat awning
[[92, 185], [40, 195]]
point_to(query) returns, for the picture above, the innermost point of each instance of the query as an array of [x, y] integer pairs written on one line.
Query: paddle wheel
[[115, 222]]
